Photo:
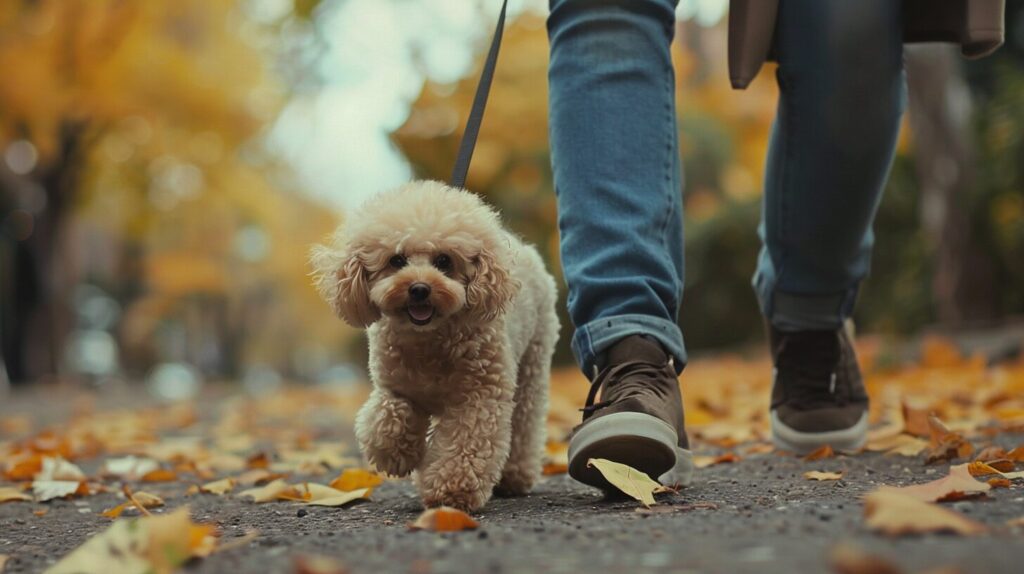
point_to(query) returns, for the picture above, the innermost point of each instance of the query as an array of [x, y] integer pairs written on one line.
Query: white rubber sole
[[844, 440], [639, 440]]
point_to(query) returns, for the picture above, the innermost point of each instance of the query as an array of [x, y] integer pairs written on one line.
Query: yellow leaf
[[159, 544], [896, 514], [356, 478], [59, 469], [978, 468], [820, 475], [342, 498], [116, 511], [629, 480], [160, 475], [222, 486], [10, 494], [269, 492], [444, 519]]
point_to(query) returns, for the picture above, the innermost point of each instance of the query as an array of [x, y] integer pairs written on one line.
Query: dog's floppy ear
[[341, 278], [490, 291]]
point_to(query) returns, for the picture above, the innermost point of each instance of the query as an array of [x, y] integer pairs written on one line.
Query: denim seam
[[663, 231]]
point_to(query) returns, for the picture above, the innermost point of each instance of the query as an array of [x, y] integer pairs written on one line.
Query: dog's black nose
[[419, 291]]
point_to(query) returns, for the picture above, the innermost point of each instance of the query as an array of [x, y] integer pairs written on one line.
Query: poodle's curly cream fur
[[460, 401]]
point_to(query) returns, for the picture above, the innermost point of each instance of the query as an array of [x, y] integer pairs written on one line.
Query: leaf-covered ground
[[751, 510]]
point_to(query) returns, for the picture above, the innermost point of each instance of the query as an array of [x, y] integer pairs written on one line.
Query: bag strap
[[476, 113]]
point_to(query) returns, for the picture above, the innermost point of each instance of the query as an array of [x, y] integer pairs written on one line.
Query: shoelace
[[631, 379]]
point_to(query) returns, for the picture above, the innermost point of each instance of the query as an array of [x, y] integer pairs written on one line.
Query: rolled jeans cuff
[[796, 312], [594, 338]]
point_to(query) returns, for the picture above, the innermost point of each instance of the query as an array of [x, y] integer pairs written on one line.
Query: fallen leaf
[[342, 498], [902, 444], [915, 418], [41, 512], [257, 477], [998, 482], [356, 478], [759, 448], [222, 486], [128, 467], [258, 460], [630, 481], [956, 485], [822, 452], [49, 489], [159, 544], [1012, 475], [991, 453], [895, 513], [706, 461], [267, 493], [444, 519], [11, 494], [556, 459], [160, 475], [140, 500], [23, 466], [3, 561], [820, 475], [945, 444], [58, 469], [850, 559], [978, 468], [1016, 455], [317, 565], [1014, 522]]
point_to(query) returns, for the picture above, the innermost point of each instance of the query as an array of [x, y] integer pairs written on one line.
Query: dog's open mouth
[[420, 313]]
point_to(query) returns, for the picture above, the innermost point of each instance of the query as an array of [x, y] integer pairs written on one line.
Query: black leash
[[476, 113]]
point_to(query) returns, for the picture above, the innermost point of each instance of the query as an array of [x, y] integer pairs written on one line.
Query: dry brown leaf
[[1015, 522], [257, 477], [706, 461], [23, 466], [915, 418], [556, 459], [11, 494], [821, 475], [1017, 454], [3, 561], [444, 519], [998, 482], [1013, 475], [823, 452], [945, 444], [355, 479], [895, 513], [158, 544], [978, 468], [758, 448], [850, 559], [629, 480], [160, 475], [991, 453], [317, 565], [222, 486], [258, 460], [342, 498], [956, 485], [41, 512]]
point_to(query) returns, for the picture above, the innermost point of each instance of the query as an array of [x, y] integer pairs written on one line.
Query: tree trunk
[[940, 114]]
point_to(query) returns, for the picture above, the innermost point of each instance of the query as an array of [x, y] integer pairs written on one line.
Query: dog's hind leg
[[392, 433], [529, 419]]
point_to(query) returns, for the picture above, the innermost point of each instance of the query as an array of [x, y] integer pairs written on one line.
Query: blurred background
[[166, 164]]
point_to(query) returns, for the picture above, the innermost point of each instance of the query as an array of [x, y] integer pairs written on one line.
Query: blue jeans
[[617, 174]]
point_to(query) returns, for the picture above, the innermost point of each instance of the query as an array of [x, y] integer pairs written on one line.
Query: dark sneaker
[[638, 420], [818, 395]]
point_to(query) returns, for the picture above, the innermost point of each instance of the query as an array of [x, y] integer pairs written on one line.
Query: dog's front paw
[[515, 483], [393, 462], [467, 500]]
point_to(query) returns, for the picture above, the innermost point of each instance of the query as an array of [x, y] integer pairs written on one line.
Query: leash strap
[[476, 113]]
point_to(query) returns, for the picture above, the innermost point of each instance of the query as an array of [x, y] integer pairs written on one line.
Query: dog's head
[[422, 254]]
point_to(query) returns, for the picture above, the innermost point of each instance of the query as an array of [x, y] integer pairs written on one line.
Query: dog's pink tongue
[[421, 312]]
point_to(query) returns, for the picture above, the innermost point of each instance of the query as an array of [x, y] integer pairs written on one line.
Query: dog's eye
[[397, 261], [443, 262]]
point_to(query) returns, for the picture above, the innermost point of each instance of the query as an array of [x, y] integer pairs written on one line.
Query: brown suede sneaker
[[639, 419], [818, 395]]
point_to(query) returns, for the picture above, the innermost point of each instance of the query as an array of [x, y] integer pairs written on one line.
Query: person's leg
[[842, 93], [616, 166], [614, 153]]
